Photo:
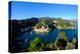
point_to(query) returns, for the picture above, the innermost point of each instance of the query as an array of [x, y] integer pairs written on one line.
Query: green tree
[[61, 41], [62, 35], [74, 40], [36, 45]]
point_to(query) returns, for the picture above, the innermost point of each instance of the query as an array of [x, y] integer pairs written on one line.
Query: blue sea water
[[47, 37], [50, 36]]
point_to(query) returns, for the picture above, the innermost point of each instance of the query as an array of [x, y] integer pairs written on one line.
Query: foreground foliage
[[61, 43]]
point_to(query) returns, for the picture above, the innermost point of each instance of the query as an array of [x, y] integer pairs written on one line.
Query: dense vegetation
[[56, 22]]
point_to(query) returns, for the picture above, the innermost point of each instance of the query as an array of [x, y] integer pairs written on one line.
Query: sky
[[23, 10]]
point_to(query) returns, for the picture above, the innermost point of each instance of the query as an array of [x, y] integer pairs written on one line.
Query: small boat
[[26, 40]]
